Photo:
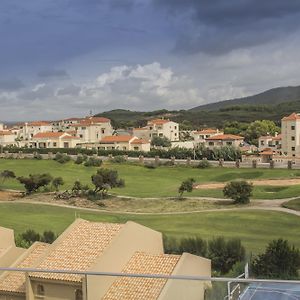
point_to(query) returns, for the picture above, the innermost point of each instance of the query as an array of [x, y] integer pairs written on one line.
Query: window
[[211, 143], [160, 134], [66, 145], [54, 144], [175, 134], [81, 136], [78, 294], [136, 148], [293, 148], [293, 127], [293, 138], [228, 143], [262, 143], [40, 290], [175, 127], [103, 131]]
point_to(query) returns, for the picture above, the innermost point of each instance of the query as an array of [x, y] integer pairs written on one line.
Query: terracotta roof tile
[[126, 288], [225, 137], [158, 121], [116, 138], [6, 132], [39, 123], [77, 249], [139, 142], [43, 135], [15, 281], [207, 131], [291, 117]]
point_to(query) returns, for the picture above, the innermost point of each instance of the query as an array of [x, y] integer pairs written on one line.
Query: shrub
[[204, 164], [35, 181], [118, 159], [93, 162], [7, 174], [57, 182], [280, 260], [224, 254], [79, 160], [239, 191], [150, 166], [62, 158], [27, 238]]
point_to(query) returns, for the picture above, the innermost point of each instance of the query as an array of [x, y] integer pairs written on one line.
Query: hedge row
[[226, 153]]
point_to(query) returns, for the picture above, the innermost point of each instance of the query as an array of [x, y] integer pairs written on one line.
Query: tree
[[57, 182], [35, 181], [48, 237], [106, 179], [280, 260], [239, 191], [225, 254], [158, 141], [7, 174], [27, 238], [186, 186], [259, 128]]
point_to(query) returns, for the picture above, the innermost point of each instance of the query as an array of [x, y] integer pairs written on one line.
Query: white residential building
[[124, 142], [28, 130], [160, 128], [268, 141], [222, 140], [92, 129], [290, 134], [201, 135], [54, 140], [7, 138]]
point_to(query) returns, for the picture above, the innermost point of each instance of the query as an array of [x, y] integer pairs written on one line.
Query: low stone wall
[[172, 161]]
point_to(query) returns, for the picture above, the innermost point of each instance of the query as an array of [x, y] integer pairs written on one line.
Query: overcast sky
[[62, 58]]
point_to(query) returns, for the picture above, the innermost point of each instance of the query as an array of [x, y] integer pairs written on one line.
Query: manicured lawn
[[159, 182], [293, 204], [255, 228]]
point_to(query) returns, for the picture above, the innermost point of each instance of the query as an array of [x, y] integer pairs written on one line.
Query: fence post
[[221, 162], [173, 160], [156, 160], [50, 155], [290, 164], [272, 164], [141, 159], [237, 163], [188, 161], [254, 164]]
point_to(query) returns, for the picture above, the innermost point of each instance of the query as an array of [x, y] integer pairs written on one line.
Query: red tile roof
[[206, 131], [43, 135], [116, 139], [6, 132], [139, 142], [39, 123], [158, 121], [225, 137], [291, 117]]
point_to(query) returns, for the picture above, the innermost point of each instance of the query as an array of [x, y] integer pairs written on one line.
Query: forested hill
[[270, 97], [270, 105]]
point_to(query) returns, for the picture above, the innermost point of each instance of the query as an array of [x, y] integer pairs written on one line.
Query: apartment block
[[160, 128]]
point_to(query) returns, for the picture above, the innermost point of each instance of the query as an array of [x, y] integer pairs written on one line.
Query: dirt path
[[266, 182]]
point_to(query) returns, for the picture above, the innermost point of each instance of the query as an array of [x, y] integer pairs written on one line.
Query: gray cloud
[[217, 27], [70, 90], [11, 84], [53, 73]]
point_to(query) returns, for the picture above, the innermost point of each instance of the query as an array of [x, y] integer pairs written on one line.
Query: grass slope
[[159, 182], [255, 228], [293, 204]]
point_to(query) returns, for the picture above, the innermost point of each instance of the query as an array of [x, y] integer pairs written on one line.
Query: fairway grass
[[255, 228], [293, 204], [160, 182]]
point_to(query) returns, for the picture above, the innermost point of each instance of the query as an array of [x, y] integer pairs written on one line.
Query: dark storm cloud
[[11, 84], [51, 73], [219, 26]]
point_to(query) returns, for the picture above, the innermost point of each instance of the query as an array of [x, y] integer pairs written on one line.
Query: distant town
[[97, 133]]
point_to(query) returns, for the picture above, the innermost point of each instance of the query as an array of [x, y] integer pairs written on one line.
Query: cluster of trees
[[252, 131], [280, 260], [223, 253], [239, 191], [28, 237]]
